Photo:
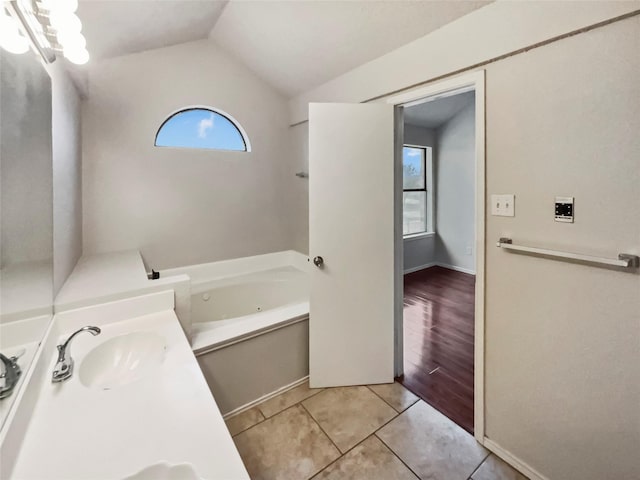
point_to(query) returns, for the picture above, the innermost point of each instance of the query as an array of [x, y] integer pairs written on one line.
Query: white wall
[[562, 379], [67, 175], [485, 34], [455, 191], [419, 252], [562, 356], [299, 195], [26, 176], [183, 206]]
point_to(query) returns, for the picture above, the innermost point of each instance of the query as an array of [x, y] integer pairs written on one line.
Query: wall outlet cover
[[564, 209]]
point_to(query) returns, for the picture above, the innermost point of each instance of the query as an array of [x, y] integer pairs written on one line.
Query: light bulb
[[14, 43], [65, 21], [10, 37], [68, 6], [71, 40], [79, 56]]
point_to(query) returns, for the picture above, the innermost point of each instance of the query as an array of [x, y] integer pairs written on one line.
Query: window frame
[[427, 156], [222, 113]]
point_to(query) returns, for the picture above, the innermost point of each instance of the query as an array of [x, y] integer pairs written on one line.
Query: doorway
[[438, 262], [356, 238], [440, 333]]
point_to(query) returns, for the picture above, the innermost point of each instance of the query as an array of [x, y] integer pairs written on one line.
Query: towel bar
[[624, 260]]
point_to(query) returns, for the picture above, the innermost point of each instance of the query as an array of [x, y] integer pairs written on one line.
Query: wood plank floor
[[438, 341]]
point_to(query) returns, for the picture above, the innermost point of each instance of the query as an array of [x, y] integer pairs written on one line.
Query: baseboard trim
[[439, 264], [264, 398], [457, 269], [512, 460], [420, 267]]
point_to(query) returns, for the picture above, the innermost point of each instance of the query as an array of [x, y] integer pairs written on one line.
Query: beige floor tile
[[285, 400], [244, 420], [369, 460], [289, 445], [493, 468], [432, 445], [395, 395], [348, 414]]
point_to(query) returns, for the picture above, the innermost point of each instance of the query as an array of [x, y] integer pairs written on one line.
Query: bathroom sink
[[122, 360], [165, 471]]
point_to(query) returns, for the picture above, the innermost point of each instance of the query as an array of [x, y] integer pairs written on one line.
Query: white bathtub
[[236, 299], [249, 326]]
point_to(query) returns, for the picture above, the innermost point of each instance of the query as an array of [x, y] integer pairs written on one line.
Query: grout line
[[479, 465], [322, 430], [343, 454], [399, 411], [250, 426], [394, 408], [265, 418], [396, 455], [296, 403]]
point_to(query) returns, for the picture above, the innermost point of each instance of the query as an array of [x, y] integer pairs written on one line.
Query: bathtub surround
[[242, 373], [585, 79], [183, 206], [250, 325]]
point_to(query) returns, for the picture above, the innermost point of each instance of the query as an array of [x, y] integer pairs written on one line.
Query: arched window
[[202, 127]]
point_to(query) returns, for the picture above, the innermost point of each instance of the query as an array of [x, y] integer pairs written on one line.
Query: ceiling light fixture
[[11, 39], [51, 25]]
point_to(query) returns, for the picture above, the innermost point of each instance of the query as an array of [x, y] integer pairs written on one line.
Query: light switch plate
[[503, 205]]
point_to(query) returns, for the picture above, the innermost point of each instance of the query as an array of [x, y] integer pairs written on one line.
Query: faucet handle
[[64, 366], [10, 374]]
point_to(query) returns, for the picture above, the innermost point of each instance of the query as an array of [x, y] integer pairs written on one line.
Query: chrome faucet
[[64, 366], [9, 375]]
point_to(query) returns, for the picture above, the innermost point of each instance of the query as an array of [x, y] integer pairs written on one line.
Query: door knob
[[318, 262]]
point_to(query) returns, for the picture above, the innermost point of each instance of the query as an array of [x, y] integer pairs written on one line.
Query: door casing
[[459, 84]]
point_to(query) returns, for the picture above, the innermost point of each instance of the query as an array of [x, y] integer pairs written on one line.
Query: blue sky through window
[[413, 167], [200, 128]]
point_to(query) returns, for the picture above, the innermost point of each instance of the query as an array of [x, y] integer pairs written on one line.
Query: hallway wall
[[456, 191]]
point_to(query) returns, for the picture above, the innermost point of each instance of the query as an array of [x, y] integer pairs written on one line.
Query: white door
[[351, 226]]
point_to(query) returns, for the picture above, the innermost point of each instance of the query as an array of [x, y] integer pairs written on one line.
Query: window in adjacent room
[[417, 203], [202, 127]]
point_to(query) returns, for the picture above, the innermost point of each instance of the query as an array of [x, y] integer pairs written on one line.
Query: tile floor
[[358, 433]]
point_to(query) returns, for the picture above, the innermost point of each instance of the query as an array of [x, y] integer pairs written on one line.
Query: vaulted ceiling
[[120, 27], [297, 45], [294, 45]]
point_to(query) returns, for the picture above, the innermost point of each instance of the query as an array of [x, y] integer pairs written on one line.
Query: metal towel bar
[[624, 260]]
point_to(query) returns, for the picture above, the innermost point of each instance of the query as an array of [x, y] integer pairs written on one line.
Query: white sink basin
[[165, 471], [122, 360]]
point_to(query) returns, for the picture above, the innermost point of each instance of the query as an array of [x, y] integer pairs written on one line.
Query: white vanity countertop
[[102, 276], [26, 290], [77, 432]]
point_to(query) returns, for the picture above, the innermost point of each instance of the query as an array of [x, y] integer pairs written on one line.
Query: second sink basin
[[122, 360]]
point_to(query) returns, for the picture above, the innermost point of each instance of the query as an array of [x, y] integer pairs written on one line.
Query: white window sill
[[418, 236]]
